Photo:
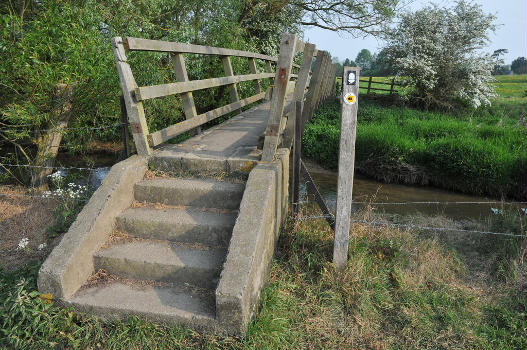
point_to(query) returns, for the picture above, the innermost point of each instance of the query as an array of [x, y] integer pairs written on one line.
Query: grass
[[482, 153], [400, 290]]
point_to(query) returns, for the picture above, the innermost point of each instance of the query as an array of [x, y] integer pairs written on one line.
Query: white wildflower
[[23, 243], [42, 246], [496, 211]]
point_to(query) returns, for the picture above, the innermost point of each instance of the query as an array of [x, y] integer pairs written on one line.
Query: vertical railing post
[[314, 89], [283, 74], [124, 129], [369, 86], [256, 82], [134, 109], [300, 87], [227, 68], [297, 154], [269, 69], [180, 69], [391, 87], [348, 127]]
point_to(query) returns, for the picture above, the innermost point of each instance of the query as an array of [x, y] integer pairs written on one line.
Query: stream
[[368, 190]]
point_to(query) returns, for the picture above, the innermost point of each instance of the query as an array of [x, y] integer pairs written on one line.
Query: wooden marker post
[[348, 127]]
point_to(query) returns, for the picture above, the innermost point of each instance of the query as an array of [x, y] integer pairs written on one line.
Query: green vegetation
[[480, 153], [46, 43], [399, 290]]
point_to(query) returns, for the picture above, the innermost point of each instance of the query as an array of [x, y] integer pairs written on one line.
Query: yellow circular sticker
[[350, 98]]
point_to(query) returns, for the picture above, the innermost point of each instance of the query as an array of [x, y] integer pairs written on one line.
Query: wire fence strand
[[411, 226]]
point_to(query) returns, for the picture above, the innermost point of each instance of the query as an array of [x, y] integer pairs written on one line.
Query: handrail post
[[233, 91], [297, 154], [283, 74], [314, 88], [124, 129], [134, 109], [180, 69], [254, 70], [300, 87]]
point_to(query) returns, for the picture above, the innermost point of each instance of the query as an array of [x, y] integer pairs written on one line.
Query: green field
[[484, 152]]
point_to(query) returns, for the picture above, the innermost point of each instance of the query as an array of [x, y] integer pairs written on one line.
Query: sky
[[511, 33]]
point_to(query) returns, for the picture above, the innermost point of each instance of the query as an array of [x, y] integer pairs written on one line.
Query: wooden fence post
[[134, 109], [391, 87], [314, 88], [369, 86], [227, 68], [180, 69], [348, 125], [297, 154], [283, 74], [300, 87]]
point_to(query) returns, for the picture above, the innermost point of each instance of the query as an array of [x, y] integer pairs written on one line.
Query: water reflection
[[367, 190]]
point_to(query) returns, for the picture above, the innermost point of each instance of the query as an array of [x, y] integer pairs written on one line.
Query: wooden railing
[[319, 84], [311, 86], [135, 95]]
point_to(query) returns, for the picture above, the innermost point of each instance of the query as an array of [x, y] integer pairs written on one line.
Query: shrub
[[438, 51]]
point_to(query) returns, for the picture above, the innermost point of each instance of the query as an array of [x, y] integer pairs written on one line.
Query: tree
[[364, 59], [499, 67], [349, 63], [381, 65], [356, 17], [338, 66], [519, 65], [438, 50]]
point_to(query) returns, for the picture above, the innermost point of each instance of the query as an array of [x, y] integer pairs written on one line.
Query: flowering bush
[[438, 51]]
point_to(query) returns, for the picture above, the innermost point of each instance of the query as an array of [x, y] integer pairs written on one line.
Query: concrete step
[[175, 305], [181, 225], [162, 261], [202, 193]]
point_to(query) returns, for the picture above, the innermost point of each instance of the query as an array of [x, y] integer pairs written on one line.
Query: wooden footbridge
[[185, 233]]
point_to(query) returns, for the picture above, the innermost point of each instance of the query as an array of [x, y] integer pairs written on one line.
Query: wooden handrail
[[166, 134], [137, 44], [154, 91]]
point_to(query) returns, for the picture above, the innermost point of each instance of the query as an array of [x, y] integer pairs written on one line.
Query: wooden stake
[[348, 126]]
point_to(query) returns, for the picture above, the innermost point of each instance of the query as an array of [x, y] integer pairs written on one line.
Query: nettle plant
[[438, 51]]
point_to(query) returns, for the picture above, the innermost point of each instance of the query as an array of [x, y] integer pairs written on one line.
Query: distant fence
[[369, 88]]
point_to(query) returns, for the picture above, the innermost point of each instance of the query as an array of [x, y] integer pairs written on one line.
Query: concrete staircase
[[167, 261]]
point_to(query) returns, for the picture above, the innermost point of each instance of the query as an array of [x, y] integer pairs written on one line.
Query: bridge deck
[[235, 138]]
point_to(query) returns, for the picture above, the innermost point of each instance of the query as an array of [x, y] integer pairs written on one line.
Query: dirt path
[[23, 216]]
